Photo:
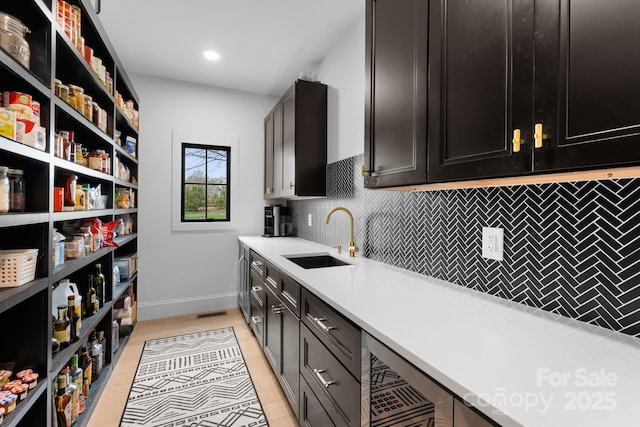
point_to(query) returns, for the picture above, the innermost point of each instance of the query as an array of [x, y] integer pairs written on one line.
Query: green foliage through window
[[206, 174]]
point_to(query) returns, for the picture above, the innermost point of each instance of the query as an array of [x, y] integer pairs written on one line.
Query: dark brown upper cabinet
[[296, 143], [396, 93], [511, 90]]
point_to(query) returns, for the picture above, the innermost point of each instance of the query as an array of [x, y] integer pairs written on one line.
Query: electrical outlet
[[309, 220], [493, 243]]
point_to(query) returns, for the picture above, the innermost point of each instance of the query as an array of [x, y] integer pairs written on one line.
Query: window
[[206, 174], [204, 181]]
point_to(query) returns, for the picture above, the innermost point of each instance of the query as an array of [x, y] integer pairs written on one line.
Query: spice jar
[[12, 33], [64, 93], [5, 189], [16, 190]]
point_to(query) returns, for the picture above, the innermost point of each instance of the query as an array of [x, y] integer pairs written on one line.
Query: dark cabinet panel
[[297, 130], [480, 61], [586, 95], [289, 372], [396, 93], [329, 378], [340, 336], [272, 330], [312, 412]]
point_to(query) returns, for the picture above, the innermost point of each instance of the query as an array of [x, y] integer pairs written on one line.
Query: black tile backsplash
[[569, 248]]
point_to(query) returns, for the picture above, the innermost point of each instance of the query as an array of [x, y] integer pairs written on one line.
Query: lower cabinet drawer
[[338, 334], [312, 412], [257, 319], [329, 379]]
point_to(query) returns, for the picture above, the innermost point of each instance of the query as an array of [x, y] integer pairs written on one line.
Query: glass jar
[[5, 189], [88, 107], [16, 190], [78, 94], [12, 33]]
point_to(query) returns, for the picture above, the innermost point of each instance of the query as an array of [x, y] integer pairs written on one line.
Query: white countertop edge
[[506, 415]]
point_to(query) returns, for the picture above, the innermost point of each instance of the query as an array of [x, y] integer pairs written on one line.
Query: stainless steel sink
[[316, 261]]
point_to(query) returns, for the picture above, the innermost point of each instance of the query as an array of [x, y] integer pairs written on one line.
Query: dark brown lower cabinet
[[281, 340], [333, 385], [312, 413]]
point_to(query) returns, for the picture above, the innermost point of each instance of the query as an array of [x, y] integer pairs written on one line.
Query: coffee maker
[[277, 221], [272, 221]]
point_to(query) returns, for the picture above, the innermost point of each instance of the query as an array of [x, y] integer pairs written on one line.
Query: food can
[[35, 107]]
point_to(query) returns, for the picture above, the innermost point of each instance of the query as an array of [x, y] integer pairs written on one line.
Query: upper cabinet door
[[288, 143], [587, 90], [481, 82], [396, 93]]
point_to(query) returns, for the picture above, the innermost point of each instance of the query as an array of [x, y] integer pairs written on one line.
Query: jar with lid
[[78, 94], [5, 189], [12, 33], [95, 160], [88, 107], [64, 93], [16, 190]]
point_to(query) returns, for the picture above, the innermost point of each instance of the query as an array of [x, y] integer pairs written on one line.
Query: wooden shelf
[[123, 240], [122, 287], [81, 119], [82, 170], [17, 219], [125, 211], [72, 265], [12, 296], [25, 74], [14, 147], [122, 183], [121, 151]]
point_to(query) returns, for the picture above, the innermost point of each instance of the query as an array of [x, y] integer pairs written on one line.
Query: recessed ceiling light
[[211, 55]]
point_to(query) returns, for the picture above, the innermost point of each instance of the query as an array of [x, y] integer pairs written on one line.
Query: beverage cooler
[[395, 393]]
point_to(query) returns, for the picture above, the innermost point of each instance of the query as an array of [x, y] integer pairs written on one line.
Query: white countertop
[[528, 367]]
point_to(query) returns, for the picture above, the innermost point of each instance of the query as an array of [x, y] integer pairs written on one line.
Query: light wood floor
[[111, 404]]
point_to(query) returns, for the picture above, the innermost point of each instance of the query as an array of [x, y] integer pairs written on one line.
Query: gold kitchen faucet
[[352, 240]]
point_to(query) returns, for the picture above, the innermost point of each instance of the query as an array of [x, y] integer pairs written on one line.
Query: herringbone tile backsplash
[[569, 248]]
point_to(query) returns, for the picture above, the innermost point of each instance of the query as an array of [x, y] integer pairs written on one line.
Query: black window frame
[[183, 149]]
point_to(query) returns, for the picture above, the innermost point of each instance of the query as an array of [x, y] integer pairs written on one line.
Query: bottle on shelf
[[102, 341], [98, 284], [62, 327], [74, 320], [63, 402], [77, 379], [96, 356], [91, 302], [5, 189], [75, 394], [87, 366]]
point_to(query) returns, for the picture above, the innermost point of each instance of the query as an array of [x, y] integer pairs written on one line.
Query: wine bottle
[[74, 320], [63, 402], [98, 284], [91, 302], [76, 378]]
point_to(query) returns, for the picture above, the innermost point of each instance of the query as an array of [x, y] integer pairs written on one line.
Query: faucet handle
[[339, 248]]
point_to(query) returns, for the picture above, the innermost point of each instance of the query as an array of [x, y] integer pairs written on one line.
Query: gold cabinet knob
[[269, 190], [363, 170], [539, 135], [517, 141]]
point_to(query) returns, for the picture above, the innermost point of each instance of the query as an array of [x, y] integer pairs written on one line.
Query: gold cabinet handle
[[517, 141], [269, 190], [539, 136], [363, 170]]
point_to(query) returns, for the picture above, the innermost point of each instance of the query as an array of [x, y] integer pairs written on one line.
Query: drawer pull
[[325, 328], [272, 282], [256, 288], [256, 319], [289, 298], [276, 310], [324, 382], [257, 264], [258, 300]]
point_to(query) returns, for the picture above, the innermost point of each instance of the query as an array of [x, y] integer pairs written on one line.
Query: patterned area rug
[[194, 380]]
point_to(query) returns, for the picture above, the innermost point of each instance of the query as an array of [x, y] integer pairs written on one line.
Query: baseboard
[[179, 307]]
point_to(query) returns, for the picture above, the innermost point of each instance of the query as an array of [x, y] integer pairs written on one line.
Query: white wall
[[191, 272], [343, 71]]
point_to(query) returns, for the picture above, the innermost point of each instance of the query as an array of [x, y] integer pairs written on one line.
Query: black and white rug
[[194, 380]]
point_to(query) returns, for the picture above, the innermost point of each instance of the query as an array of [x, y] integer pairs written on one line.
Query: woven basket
[[17, 266]]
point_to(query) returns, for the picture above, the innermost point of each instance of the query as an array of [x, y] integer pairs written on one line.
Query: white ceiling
[[264, 44]]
